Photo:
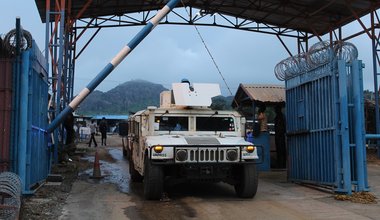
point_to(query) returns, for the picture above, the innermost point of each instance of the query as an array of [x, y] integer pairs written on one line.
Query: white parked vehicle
[[188, 141]]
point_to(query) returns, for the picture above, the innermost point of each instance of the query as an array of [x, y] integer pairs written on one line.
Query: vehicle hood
[[194, 140]]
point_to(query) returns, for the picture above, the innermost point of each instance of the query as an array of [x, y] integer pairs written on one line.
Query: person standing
[[103, 127], [280, 130], [78, 136], [263, 119], [93, 131], [263, 138]]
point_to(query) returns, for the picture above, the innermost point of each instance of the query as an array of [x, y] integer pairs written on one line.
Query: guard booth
[[248, 98]]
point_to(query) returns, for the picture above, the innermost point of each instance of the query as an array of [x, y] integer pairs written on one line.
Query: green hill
[[128, 97], [133, 96]]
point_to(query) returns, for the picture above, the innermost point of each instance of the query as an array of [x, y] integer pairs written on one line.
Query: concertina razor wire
[[319, 54], [10, 195]]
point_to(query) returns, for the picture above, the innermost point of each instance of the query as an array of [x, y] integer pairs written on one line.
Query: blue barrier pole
[[372, 136], [113, 64]]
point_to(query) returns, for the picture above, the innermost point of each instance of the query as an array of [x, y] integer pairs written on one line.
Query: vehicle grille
[[207, 154]]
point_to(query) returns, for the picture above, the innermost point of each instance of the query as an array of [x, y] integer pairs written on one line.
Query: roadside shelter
[[247, 100]]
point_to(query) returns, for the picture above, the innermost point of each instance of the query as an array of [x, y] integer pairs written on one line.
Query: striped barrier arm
[[113, 64]]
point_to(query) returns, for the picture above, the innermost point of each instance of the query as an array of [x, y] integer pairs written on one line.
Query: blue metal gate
[[31, 154], [325, 120]]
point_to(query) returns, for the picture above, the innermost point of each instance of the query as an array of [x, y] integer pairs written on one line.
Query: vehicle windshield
[[215, 124], [171, 123]]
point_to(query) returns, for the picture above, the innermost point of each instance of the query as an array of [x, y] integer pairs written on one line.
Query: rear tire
[[125, 150], [125, 153], [153, 180], [247, 181]]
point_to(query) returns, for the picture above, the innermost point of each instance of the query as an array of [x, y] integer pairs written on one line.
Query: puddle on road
[[115, 173]]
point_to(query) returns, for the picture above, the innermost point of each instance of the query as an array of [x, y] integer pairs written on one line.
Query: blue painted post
[[375, 81], [344, 132], [60, 61], [23, 121], [47, 22], [32, 160], [359, 124], [337, 142], [113, 64], [59, 76]]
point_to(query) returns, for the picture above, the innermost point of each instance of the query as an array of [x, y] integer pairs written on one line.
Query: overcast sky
[[171, 53]]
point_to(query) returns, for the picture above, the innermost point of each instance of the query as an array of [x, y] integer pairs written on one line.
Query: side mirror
[[243, 120]]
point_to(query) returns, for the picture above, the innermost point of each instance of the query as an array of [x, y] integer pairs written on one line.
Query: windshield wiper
[[166, 112], [216, 112]]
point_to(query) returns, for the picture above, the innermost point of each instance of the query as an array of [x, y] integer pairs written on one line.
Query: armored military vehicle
[[184, 139]]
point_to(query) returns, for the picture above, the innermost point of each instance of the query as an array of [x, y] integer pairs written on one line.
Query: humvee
[[184, 139]]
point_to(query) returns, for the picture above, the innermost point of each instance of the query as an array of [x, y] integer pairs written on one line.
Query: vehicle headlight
[[181, 155], [232, 155], [158, 148]]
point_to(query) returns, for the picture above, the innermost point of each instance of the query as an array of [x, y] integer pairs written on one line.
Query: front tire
[[153, 180], [247, 181]]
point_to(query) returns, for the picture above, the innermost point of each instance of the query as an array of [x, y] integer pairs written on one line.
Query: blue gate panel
[[37, 148], [325, 126], [33, 155]]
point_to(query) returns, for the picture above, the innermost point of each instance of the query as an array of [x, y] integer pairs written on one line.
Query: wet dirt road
[[115, 197]]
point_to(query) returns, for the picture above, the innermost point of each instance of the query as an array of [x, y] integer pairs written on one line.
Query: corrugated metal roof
[[312, 16], [111, 117], [265, 93]]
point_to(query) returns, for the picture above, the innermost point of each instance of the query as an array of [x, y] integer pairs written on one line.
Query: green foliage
[[222, 103], [368, 95]]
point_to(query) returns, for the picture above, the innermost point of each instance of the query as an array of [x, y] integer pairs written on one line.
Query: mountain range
[[130, 97]]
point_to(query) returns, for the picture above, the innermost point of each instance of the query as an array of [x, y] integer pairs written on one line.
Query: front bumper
[[206, 155]]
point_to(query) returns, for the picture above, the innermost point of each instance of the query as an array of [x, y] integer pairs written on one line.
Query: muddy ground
[[49, 199], [47, 202]]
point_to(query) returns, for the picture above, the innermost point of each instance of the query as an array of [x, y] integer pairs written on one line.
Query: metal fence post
[[358, 123], [344, 129]]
